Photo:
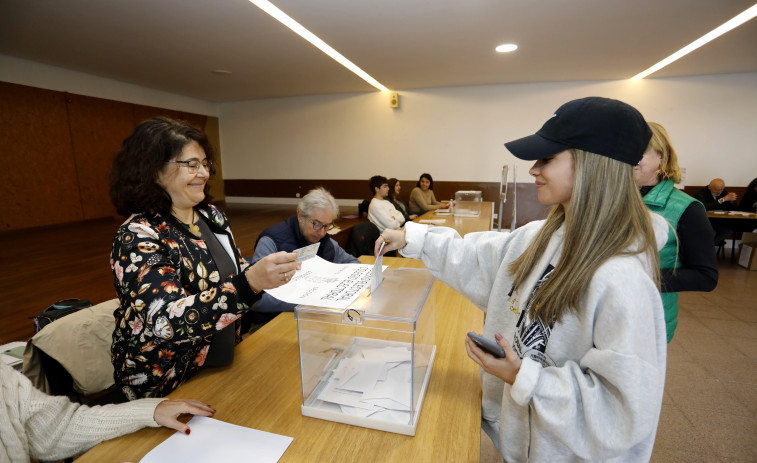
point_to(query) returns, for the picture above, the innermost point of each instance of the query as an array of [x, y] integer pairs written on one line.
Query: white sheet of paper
[[364, 387], [388, 394], [361, 412], [307, 252], [321, 283], [351, 399], [364, 379], [11, 359], [377, 277], [387, 354], [214, 440], [433, 221]]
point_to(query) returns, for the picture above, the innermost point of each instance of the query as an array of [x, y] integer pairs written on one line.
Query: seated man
[[381, 212], [715, 198], [315, 216]]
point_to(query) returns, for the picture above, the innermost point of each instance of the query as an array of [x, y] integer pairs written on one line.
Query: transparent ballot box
[[369, 364], [467, 203]]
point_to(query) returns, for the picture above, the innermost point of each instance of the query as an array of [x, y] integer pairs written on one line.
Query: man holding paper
[[309, 227]]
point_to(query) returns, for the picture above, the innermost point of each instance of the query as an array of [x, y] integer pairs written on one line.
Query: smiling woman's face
[[425, 184], [185, 189], [554, 178]]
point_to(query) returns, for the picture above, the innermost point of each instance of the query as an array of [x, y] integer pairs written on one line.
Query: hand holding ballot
[[392, 240], [324, 284], [272, 271]]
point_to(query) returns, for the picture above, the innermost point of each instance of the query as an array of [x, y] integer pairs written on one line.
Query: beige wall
[[455, 133], [458, 133]]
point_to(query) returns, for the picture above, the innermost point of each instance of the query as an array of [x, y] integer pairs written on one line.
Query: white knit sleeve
[[55, 428]]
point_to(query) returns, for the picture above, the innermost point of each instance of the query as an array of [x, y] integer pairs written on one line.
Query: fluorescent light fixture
[[284, 19], [715, 33], [506, 48]]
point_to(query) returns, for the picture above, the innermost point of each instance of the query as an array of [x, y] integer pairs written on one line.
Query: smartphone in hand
[[487, 345]]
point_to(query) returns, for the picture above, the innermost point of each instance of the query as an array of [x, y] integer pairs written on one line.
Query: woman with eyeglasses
[[179, 276]]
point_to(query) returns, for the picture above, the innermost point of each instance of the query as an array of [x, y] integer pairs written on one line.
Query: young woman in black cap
[[573, 300]]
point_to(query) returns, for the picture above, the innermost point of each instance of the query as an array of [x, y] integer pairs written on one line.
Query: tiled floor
[[709, 412]]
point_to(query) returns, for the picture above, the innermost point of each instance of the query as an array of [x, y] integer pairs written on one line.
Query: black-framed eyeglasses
[[318, 225], [193, 165]]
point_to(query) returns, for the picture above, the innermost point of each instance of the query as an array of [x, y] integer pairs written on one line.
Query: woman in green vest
[[687, 261]]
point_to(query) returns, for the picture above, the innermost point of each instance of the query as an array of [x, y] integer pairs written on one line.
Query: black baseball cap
[[598, 125]]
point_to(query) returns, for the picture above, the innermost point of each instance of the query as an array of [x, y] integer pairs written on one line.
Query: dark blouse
[[173, 300]]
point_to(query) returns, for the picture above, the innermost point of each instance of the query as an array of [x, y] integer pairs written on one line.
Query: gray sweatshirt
[[590, 387]]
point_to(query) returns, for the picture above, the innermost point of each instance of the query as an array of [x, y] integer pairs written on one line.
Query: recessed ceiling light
[[506, 48], [221, 72], [286, 20], [715, 33]]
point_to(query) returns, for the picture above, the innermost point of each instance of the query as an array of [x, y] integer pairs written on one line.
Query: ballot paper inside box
[[369, 365]]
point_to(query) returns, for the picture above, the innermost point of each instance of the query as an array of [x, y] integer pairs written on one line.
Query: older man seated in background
[[315, 216], [716, 198]]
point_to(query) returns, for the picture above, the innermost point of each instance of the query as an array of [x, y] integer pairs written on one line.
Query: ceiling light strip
[[284, 19], [715, 33]]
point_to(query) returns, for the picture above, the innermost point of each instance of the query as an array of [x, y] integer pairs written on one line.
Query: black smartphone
[[487, 345]]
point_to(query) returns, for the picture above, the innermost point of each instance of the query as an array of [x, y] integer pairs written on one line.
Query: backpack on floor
[[59, 310]]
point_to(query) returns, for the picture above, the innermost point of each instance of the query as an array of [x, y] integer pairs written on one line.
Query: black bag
[[59, 310]]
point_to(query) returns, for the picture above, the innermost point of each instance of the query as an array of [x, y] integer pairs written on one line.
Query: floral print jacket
[[172, 301]]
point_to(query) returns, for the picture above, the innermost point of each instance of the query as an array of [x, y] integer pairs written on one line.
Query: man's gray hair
[[318, 197]]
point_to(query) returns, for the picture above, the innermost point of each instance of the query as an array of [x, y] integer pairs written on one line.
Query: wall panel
[[38, 181], [58, 150], [216, 182], [142, 113], [98, 127]]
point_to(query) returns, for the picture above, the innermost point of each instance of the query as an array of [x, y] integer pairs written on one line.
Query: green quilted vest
[[668, 201]]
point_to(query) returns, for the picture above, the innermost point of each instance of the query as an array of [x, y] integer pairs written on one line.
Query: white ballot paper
[[378, 272], [307, 252], [433, 221], [373, 382], [322, 283], [213, 440]]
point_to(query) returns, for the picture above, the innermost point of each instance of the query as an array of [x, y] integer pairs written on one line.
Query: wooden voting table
[[463, 224], [261, 389], [736, 221]]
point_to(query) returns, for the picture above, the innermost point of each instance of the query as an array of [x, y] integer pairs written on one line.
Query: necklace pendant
[[195, 230]]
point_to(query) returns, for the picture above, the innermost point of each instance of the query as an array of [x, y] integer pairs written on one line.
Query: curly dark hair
[[134, 179]]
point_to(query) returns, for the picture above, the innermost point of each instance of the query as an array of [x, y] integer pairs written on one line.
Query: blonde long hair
[[607, 218], [660, 142]]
